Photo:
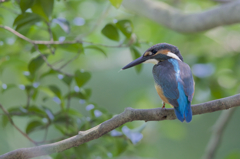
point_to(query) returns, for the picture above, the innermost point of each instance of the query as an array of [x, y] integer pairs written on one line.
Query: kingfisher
[[173, 78]]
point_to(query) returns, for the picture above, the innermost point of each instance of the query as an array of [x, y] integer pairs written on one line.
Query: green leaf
[[67, 80], [82, 151], [120, 146], [33, 125], [25, 20], [40, 47], [111, 32], [61, 128], [116, 3], [126, 27], [43, 8], [82, 77], [17, 110], [50, 72], [35, 94], [35, 64], [30, 77], [36, 110], [28, 88], [47, 92], [4, 120], [79, 95], [87, 93], [55, 90], [25, 4], [96, 48], [73, 112], [136, 54], [75, 48]]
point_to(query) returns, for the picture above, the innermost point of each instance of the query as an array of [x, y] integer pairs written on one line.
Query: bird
[[173, 78]]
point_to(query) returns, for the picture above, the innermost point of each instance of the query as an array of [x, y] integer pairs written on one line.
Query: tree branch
[[13, 124], [174, 19], [37, 42], [128, 115], [217, 133]]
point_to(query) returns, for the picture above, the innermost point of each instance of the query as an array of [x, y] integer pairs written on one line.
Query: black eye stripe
[[154, 51]]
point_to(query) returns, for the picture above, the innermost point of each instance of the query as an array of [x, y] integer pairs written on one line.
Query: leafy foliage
[[36, 20], [59, 99]]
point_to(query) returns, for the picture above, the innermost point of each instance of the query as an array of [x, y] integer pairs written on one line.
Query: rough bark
[[175, 19]]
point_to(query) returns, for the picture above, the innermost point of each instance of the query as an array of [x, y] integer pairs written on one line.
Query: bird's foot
[[163, 106]]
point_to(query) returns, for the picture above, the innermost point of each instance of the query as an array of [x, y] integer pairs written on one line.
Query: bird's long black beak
[[135, 62]]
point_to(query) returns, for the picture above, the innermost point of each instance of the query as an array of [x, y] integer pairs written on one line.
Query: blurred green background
[[213, 56]]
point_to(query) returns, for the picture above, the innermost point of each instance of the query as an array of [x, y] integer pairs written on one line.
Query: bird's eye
[[154, 51]]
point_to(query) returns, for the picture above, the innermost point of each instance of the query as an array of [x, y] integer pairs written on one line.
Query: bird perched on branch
[[173, 78]]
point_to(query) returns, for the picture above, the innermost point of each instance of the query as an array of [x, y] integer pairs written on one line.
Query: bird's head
[[156, 54]]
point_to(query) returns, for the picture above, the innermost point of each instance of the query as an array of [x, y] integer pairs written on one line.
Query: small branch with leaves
[[128, 115], [38, 42]]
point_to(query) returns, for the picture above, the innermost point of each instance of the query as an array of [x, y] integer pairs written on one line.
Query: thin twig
[[51, 49], [51, 37], [103, 15], [128, 115], [57, 62], [29, 95], [49, 65], [11, 121], [9, 9], [45, 134], [69, 98], [217, 133], [50, 31], [37, 42], [69, 61]]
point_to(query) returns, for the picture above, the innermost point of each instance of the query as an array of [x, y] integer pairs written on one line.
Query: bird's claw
[[163, 106]]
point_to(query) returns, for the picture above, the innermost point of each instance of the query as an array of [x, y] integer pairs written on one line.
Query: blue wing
[[176, 81], [164, 76], [187, 79]]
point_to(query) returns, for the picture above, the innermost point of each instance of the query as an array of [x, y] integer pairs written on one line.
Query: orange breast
[[160, 93]]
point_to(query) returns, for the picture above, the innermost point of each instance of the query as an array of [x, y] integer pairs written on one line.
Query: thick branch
[[174, 19], [128, 115]]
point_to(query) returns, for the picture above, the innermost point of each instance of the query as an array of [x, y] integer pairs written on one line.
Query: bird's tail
[[184, 112]]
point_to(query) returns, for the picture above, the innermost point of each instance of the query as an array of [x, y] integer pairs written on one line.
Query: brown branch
[[128, 115], [217, 133], [11, 121], [174, 19], [37, 42]]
